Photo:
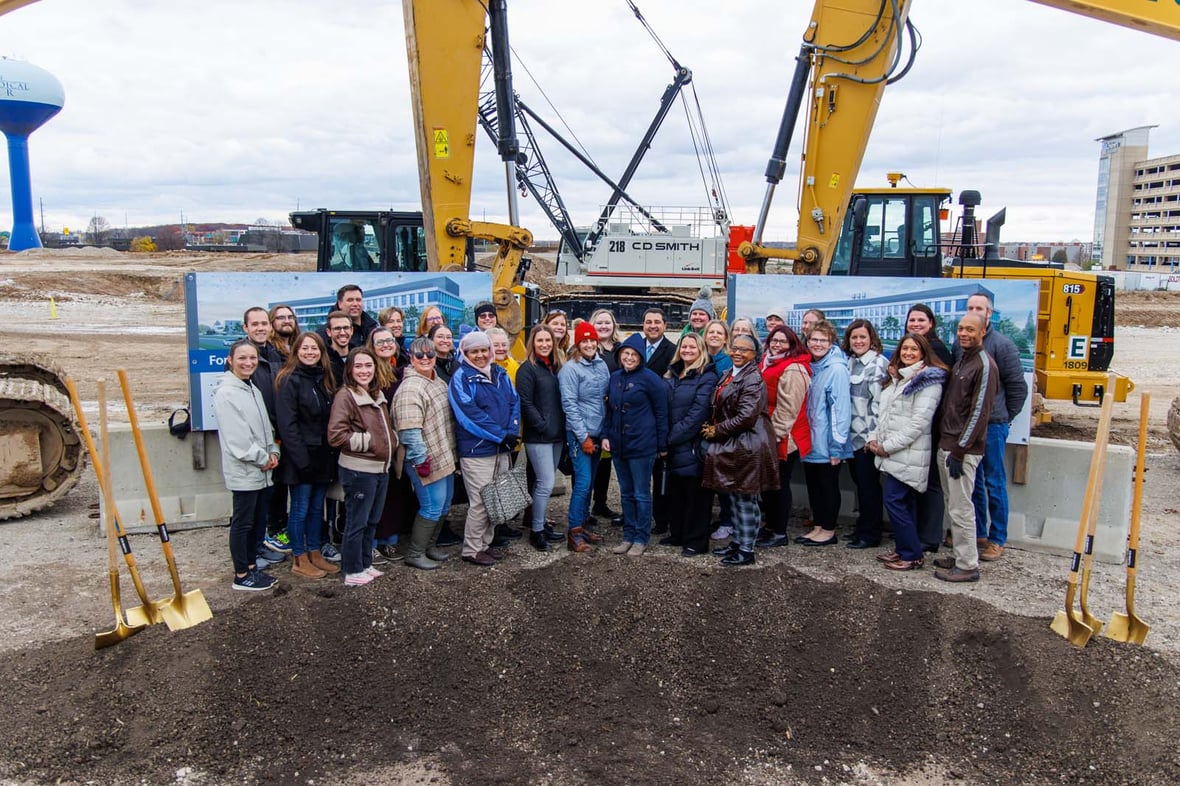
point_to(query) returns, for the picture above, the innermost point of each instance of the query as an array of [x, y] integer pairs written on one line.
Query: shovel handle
[[149, 481], [1137, 500], [1093, 496]]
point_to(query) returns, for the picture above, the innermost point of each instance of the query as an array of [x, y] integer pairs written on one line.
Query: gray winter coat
[[244, 431]]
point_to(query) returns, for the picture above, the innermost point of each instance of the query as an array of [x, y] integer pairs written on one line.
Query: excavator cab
[[893, 232], [364, 241]]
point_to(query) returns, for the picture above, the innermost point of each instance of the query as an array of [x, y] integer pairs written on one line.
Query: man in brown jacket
[[966, 405]]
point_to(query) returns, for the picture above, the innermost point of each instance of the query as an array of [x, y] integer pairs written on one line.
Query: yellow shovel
[[151, 611], [187, 608], [1128, 627], [1078, 628]]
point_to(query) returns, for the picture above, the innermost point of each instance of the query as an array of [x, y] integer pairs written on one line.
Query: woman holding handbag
[[487, 428]]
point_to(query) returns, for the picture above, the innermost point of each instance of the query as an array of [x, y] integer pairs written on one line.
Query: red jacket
[[800, 430]]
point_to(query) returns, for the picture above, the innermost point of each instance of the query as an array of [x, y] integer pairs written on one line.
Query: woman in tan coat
[[741, 458]]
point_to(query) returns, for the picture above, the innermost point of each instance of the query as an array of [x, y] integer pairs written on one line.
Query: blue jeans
[[543, 458], [364, 497], [991, 488], [305, 518], [584, 469], [634, 475], [902, 503], [434, 499]]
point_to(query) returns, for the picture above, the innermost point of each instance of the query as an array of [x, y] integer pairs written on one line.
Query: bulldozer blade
[[1127, 628]]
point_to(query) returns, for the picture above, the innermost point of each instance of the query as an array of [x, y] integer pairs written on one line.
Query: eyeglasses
[[742, 349], [427, 355], [819, 340], [341, 329], [435, 318], [385, 342]]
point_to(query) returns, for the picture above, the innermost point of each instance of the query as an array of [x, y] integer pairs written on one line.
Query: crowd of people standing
[[363, 431]]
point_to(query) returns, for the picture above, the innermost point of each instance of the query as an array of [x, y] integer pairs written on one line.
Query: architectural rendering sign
[[216, 302], [886, 301]]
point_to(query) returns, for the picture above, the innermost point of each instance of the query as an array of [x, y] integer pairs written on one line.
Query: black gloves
[[954, 467], [510, 442]]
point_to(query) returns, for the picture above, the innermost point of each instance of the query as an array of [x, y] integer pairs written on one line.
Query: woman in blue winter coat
[[902, 442], [829, 411], [635, 433], [690, 380], [583, 380]]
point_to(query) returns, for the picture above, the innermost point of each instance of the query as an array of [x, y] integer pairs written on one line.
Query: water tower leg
[[24, 231]]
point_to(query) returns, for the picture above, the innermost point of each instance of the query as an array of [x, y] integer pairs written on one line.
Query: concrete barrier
[[1043, 515]]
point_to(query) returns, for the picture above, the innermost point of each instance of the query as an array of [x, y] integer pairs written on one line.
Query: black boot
[[447, 536], [738, 557], [539, 542]]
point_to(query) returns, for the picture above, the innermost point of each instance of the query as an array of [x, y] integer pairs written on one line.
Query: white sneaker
[[722, 533], [356, 579], [372, 572]]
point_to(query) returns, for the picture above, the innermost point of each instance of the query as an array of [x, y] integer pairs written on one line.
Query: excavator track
[[40, 450]]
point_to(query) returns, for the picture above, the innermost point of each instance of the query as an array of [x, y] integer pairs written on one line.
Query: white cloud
[[236, 110]]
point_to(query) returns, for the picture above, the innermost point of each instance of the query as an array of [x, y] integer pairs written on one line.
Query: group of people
[[408, 425]]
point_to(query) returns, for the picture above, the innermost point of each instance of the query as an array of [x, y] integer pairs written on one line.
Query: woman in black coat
[[542, 424], [303, 400], [691, 379]]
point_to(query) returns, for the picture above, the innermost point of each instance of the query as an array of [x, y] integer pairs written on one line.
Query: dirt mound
[[1147, 309], [605, 671]]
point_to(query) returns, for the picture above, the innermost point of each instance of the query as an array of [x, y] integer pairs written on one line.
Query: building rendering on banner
[[411, 296], [888, 312], [1137, 208]]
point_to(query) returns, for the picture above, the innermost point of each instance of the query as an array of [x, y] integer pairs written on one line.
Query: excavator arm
[[851, 50]]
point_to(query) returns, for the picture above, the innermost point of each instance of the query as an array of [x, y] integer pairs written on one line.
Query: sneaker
[[357, 579], [283, 538], [275, 545], [390, 552], [254, 581], [722, 533], [330, 552], [379, 558], [265, 558], [373, 572]]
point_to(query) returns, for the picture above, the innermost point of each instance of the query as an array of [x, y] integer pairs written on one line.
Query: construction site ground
[[815, 666]]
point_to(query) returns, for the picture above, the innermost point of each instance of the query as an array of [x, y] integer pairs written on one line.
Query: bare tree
[[98, 230]]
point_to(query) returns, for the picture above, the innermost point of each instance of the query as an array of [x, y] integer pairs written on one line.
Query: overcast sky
[[231, 111]]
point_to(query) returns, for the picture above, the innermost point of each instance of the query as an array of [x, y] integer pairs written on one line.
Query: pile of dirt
[[1147, 309], [599, 670]]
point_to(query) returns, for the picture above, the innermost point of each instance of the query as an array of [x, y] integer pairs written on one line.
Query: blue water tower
[[28, 97]]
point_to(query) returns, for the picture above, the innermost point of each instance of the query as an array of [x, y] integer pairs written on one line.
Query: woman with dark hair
[[931, 503], [426, 428], [248, 455], [359, 426], [543, 423], [303, 401], [829, 413], [740, 457], [445, 362], [691, 380], [866, 374], [636, 432], [920, 320], [901, 442], [786, 369]]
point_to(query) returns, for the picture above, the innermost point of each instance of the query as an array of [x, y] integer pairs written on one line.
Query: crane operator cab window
[[354, 247], [889, 234]]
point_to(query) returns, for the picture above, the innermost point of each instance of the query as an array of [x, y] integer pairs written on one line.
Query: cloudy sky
[[232, 111]]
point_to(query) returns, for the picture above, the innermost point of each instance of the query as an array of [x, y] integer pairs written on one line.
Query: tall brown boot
[[319, 561], [302, 567]]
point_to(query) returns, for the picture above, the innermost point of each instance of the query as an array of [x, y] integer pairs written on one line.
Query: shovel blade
[[137, 617], [1093, 623], [187, 610], [112, 637], [1072, 629], [1127, 628]]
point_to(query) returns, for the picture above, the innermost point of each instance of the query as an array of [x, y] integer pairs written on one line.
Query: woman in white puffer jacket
[[902, 443]]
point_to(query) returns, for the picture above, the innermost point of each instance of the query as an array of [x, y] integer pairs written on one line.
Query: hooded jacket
[[485, 406], [829, 409], [244, 431], [664, 352], [636, 412], [905, 420]]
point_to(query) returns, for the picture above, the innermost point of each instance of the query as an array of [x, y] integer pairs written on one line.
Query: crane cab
[[891, 232]]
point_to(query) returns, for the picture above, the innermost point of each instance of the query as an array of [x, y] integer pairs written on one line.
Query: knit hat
[[775, 312], [484, 308], [584, 331], [704, 303], [473, 340]]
